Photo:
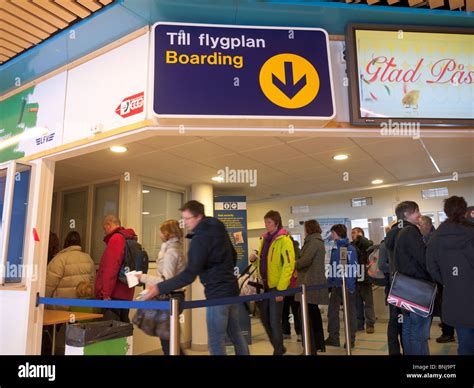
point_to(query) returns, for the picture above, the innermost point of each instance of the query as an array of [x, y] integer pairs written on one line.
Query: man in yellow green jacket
[[275, 264]]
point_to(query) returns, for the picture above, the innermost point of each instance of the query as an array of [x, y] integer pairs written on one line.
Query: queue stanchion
[[174, 327], [304, 307], [343, 262]]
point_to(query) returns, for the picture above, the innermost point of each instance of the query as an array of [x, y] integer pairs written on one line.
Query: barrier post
[[174, 327], [304, 307], [343, 262]]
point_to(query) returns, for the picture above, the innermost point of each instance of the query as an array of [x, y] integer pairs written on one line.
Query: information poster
[[232, 211]]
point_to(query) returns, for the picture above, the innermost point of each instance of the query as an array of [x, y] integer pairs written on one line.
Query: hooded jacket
[[66, 270], [212, 257], [450, 261], [335, 274], [280, 260], [107, 284]]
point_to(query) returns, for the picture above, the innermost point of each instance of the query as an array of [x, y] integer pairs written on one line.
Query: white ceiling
[[285, 165]]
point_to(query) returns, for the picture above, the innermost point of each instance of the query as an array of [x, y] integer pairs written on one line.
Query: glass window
[[74, 215], [362, 223], [106, 201], [435, 193], [158, 206], [358, 202], [442, 217], [16, 238]]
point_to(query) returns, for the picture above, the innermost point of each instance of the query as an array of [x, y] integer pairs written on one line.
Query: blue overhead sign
[[240, 71]]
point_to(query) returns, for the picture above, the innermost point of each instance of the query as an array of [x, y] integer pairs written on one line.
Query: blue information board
[[240, 71], [232, 211]]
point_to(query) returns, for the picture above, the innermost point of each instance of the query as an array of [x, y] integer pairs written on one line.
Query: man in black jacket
[[212, 257], [410, 260], [395, 322], [364, 298]]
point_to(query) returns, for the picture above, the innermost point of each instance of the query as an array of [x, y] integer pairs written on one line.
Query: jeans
[[465, 340], [365, 306], [416, 331], [270, 315], [290, 302], [333, 314], [316, 332], [222, 320]]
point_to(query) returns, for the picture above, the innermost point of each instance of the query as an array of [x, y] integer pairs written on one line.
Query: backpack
[[135, 258], [374, 274], [249, 284]]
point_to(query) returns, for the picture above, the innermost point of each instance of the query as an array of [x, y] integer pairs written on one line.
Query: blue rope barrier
[[249, 298], [114, 304], [165, 305]]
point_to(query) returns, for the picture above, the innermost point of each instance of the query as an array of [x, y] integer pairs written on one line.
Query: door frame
[[7, 215]]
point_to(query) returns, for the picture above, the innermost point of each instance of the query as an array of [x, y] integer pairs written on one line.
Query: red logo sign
[[131, 105]]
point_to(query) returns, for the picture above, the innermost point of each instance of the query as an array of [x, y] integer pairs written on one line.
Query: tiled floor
[[366, 344]]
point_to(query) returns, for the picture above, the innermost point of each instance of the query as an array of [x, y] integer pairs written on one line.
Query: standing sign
[[232, 211], [241, 71]]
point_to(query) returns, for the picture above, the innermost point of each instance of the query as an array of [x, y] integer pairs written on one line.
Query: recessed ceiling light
[[218, 178], [377, 181], [118, 149], [145, 191], [145, 213], [340, 157]]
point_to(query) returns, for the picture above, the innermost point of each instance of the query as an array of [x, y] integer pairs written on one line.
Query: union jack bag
[[413, 295]]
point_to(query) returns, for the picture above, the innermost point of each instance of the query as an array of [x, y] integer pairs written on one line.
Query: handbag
[[156, 322], [249, 284], [413, 295]]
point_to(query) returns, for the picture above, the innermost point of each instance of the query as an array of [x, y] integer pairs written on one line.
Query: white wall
[[13, 322]]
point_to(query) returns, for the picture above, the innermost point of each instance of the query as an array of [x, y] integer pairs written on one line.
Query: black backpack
[[135, 258]]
